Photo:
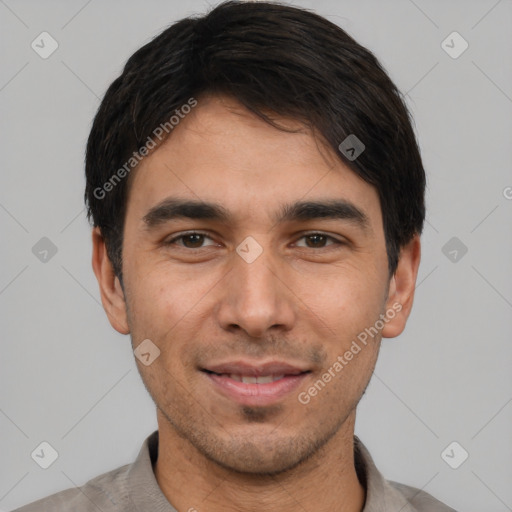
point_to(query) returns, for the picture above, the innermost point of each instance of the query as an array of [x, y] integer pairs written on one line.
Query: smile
[[255, 386], [249, 379]]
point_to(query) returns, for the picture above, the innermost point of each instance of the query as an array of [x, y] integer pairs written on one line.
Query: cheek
[[168, 308], [152, 304], [346, 299]]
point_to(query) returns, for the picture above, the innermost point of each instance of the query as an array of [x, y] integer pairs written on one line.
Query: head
[[229, 126]]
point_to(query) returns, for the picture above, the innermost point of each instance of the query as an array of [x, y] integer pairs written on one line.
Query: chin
[[253, 462], [256, 454]]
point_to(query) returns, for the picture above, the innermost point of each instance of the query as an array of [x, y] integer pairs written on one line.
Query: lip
[[255, 369], [255, 394]]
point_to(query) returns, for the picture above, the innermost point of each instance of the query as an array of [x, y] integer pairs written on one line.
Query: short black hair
[[272, 58]]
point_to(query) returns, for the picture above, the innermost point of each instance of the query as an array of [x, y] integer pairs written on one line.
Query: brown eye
[[189, 240], [193, 241], [318, 240]]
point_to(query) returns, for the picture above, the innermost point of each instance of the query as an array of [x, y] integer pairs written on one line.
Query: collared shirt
[[133, 488]]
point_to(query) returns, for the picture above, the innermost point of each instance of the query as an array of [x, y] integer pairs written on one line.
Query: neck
[[326, 481]]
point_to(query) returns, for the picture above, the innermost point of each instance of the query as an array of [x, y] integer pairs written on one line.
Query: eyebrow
[[337, 209]]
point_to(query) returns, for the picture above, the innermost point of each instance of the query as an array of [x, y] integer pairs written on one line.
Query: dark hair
[[272, 58]]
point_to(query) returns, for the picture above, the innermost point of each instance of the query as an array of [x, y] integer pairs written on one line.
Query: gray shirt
[[133, 488]]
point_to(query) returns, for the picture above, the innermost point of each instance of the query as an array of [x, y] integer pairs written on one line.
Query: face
[[257, 296]]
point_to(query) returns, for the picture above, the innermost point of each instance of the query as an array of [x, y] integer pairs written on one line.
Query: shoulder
[[108, 491], [388, 495], [419, 500]]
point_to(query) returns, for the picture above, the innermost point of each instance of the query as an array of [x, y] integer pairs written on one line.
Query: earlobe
[[112, 295], [401, 289]]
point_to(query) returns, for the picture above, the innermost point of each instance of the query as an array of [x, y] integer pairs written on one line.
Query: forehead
[[222, 153]]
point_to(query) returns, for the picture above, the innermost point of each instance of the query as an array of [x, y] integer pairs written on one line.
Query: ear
[[112, 295], [401, 289]]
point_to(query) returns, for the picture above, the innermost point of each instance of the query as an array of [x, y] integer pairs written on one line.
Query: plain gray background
[[68, 378]]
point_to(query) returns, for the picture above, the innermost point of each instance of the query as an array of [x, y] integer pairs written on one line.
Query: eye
[[195, 240], [318, 240], [191, 240]]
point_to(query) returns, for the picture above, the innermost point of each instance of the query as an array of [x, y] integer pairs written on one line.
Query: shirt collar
[[380, 495], [144, 491]]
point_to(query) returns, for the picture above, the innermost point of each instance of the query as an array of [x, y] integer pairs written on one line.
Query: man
[[257, 196]]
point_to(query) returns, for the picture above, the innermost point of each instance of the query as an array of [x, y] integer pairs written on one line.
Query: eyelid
[[179, 236], [321, 233], [302, 235]]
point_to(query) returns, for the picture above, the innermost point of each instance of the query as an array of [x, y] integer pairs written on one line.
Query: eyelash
[[173, 240]]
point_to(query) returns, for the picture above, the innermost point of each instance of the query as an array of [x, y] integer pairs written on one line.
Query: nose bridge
[[256, 280], [255, 299]]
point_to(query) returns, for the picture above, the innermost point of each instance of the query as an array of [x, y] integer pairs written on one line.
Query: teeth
[[262, 379]]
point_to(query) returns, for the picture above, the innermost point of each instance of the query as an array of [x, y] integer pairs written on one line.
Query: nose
[[257, 297]]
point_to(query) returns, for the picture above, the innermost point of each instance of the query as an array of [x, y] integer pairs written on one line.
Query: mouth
[[250, 379], [255, 384]]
